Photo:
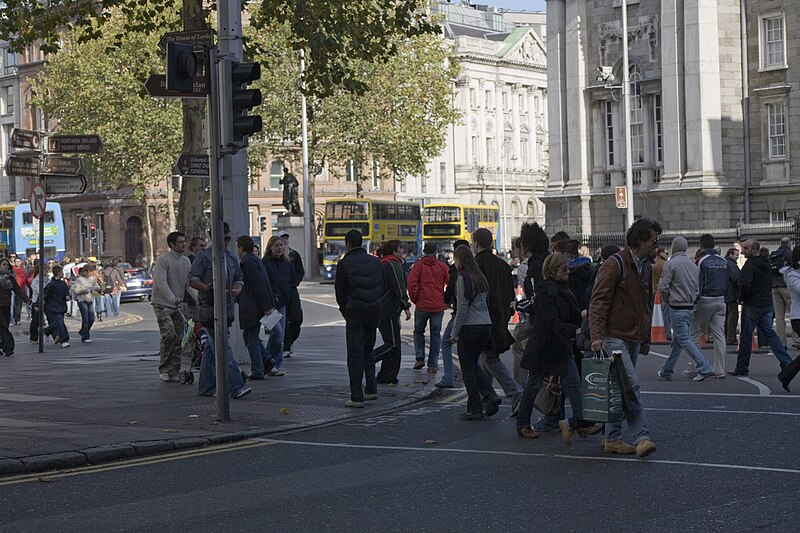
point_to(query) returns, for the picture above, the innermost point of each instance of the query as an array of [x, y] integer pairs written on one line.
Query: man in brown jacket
[[620, 313]]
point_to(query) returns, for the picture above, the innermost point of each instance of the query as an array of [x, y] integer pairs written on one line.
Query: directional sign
[[156, 86], [38, 200], [196, 37], [193, 165], [20, 165], [621, 194], [65, 184], [26, 139], [74, 144], [57, 164]]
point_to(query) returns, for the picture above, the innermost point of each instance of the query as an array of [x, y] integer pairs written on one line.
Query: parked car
[[140, 285]]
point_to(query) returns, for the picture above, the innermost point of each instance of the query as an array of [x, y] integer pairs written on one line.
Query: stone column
[[515, 164], [672, 99], [533, 162], [557, 93], [462, 86]]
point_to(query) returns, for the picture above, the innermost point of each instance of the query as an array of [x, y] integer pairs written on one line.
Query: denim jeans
[[681, 340], [571, 384], [758, 318], [471, 342], [256, 349], [275, 343], [447, 352], [490, 359], [667, 321], [87, 318], [207, 381], [98, 305], [709, 314], [360, 335], [522, 332], [421, 318], [115, 299], [56, 327], [388, 354], [634, 412]]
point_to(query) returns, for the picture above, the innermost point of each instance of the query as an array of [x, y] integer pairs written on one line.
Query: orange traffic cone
[[658, 333], [515, 318]]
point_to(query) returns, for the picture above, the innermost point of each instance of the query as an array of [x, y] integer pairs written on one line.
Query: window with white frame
[[489, 151], [488, 100], [350, 171], [658, 129], [275, 175], [777, 216], [609, 121], [637, 121], [523, 152], [472, 99], [772, 42], [776, 130], [9, 61], [443, 177], [8, 100], [376, 176]]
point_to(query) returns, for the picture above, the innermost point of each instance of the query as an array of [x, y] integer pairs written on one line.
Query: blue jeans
[[275, 343], [115, 299], [207, 382], [421, 318], [759, 318], [681, 340], [572, 389], [447, 352], [667, 321], [87, 318], [56, 326], [258, 354], [471, 342], [360, 335], [634, 412]]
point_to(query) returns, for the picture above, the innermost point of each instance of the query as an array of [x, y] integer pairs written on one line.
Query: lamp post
[[626, 106], [504, 207]]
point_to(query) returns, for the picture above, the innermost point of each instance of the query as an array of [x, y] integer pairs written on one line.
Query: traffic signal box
[[182, 67], [237, 100]]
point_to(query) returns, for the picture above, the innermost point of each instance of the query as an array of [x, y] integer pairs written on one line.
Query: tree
[[88, 90]]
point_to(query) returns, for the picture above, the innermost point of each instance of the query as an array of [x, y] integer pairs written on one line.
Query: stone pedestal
[[298, 235]]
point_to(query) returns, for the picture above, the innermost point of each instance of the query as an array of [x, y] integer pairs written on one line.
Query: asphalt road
[[726, 462]]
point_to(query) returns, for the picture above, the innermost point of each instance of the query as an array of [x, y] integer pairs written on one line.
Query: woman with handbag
[[548, 355], [472, 328], [282, 277]]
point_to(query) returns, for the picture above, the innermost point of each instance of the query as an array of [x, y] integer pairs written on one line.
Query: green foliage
[[90, 91]]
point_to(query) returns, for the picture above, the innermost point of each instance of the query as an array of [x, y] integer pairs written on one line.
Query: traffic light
[[237, 101], [92, 232], [181, 67], [263, 224]]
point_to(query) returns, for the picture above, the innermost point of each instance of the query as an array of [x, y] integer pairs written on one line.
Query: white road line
[[742, 395], [723, 411], [763, 390], [328, 324], [320, 303], [523, 454]]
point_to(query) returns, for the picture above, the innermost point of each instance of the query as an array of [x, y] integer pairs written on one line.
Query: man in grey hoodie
[[679, 287]]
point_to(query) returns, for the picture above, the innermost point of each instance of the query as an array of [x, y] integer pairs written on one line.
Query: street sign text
[[56, 164], [65, 184], [196, 165], [74, 144]]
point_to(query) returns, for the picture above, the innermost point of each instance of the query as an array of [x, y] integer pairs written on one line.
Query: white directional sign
[[38, 200], [65, 184]]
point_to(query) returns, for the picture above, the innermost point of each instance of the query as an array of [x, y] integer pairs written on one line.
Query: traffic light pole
[[219, 279]]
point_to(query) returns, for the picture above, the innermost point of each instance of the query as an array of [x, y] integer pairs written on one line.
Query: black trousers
[[389, 352], [294, 319], [5, 334], [360, 336], [731, 321]]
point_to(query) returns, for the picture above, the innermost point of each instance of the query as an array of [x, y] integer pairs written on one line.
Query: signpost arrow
[[23, 166], [74, 144], [193, 165], [156, 86], [56, 184], [196, 37], [25, 139], [68, 166]]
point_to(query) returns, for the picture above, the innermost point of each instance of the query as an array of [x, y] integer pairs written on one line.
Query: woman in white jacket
[[791, 275], [85, 288]]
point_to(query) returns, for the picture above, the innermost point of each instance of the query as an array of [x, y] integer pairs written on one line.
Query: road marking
[[722, 411], [763, 390], [131, 463], [328, 324], [26, 398], [527, 454], [320, 303], [738, 395]]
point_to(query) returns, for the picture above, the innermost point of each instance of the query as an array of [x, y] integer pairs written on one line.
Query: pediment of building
[[524, 46]]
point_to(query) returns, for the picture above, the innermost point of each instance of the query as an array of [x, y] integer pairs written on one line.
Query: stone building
[[502, 135], [687, 130]]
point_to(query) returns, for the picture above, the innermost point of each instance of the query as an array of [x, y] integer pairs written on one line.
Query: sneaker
[[433, 369], [618, 446], [86, 341], [276, 372], [166, 378], [515, 406], [418, 365], [32, 341], [370, 396], [566, 432], [470, 416], [664, 377], [241, 393], [63, 344], [354, 405], [720, 376], [689, 373], [287, 354], [644, 448], [702, 377]]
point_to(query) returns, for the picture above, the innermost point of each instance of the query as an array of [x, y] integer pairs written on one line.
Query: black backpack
[[777, 260]]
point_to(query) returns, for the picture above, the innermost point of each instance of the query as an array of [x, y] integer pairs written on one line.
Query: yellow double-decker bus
[[377, 220], [443, 224]]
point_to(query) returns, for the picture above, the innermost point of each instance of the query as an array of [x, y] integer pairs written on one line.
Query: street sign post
[[193, 165], [25, 139], [60, 184], [156, 86], [22, 166], [195, 37], [38, 207], [621, 194], [61, 165], [74, 144], [38, 200]]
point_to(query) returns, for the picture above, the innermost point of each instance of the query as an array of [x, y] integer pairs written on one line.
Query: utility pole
[[308, 197], [626, 99]]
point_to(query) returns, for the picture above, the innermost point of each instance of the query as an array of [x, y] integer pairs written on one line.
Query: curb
[[127, 450], [125, 319]]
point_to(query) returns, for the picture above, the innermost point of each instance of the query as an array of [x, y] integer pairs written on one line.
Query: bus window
[[347, 211], [27, 218], [7, 219]]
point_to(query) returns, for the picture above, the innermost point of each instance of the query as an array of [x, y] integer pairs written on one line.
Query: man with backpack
[[781, 300]]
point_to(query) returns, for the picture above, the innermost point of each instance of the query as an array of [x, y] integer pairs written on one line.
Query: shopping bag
[[601, 393], [548, 399]]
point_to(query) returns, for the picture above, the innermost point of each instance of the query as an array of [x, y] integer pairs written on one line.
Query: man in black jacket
[[294, 309], [501, 297], [360, 286], [732, 296], [255, 301], [755, 288], [781, 300]]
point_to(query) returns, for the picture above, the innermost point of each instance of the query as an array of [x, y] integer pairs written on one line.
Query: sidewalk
[[101, 402]]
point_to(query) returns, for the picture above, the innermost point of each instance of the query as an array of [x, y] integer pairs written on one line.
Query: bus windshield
[[441, 214], [347, 211]]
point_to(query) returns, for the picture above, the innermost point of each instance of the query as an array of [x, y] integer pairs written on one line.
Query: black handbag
[[548, 399]]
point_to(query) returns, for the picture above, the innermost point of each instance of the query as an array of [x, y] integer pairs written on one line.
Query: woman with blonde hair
[[549, 352], [283, 278]]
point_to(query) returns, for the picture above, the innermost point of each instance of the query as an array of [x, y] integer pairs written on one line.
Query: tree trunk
[[191, 218], [170, 206]]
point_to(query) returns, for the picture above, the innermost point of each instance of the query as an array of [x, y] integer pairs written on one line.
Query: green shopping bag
[[601, 393]]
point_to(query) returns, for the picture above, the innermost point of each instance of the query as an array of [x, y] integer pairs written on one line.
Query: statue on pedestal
[[290, 193]]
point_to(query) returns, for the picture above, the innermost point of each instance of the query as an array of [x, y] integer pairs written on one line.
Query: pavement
[[99, 402]]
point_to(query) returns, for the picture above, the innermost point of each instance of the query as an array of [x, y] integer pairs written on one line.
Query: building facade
[[501, 138], [687, 124]]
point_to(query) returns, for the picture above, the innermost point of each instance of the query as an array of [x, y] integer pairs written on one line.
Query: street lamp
[[504, 207], [626, 101]]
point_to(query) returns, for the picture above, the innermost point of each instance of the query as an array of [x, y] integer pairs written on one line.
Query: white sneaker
[[163, 377], [242, 393], [87, 341], [65, 345], [276, 372]]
